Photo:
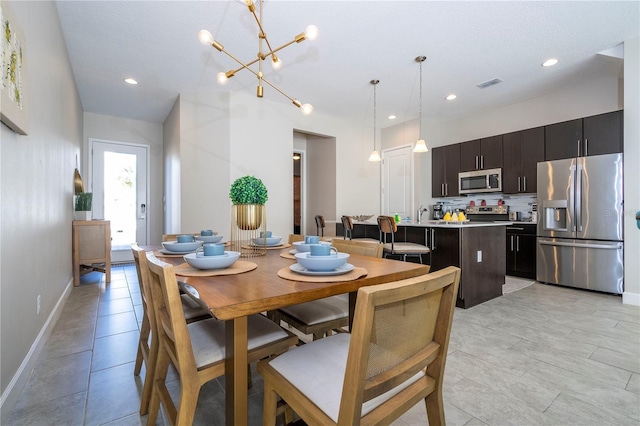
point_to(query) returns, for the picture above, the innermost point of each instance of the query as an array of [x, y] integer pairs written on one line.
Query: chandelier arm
[[277, 49], [242, 64], [295, 101], [259, 22]]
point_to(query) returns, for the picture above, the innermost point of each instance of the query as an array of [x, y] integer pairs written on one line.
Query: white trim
[[631, 298], [19, 380]]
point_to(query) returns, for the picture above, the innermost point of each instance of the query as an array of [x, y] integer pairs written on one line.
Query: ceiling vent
[[488, 83]]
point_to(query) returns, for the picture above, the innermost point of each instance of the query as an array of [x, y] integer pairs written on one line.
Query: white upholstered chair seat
[[191, 308], [404, 248], [207, 337], [317, 369], [317, 311]]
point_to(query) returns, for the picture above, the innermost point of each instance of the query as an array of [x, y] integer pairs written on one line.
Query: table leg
[[236, 372]]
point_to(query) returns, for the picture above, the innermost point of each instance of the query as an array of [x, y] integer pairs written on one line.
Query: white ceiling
[[466, 43]]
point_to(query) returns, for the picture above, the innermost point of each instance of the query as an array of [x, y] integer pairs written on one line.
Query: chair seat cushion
[[406, 248], [317, 369], [191, 308], [317, 311], [207, 337]]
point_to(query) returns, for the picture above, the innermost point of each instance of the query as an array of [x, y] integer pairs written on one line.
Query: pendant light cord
[[420, 135]]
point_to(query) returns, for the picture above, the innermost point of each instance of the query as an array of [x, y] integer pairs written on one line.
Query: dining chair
[[323, 317], [347, 225], [196, 350], [295, 238], [320, 225], [387, 226], [148, 342], [394, 358]]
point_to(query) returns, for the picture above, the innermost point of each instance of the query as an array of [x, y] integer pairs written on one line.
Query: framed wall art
[[13, 101]]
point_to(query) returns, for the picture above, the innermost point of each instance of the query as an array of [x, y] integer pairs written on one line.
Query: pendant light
[[421, 145], [375, 155]]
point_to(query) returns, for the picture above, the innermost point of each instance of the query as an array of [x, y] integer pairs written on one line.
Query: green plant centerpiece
[[248, 195], [248, 190], [84, 201]]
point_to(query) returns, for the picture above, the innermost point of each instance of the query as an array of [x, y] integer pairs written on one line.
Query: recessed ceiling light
[[451, 97], [392, 117], [550, 62], [130, 81]]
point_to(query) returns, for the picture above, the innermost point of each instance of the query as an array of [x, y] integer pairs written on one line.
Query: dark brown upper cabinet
[[445, 162], [481, 154], [595, 135], [521, 153]]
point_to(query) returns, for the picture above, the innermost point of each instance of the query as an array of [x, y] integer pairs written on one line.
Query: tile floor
[[539, 354]]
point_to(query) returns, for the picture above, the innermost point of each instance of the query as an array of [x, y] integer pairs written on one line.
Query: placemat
[[240, 266], [280, 247], [288, 274], [287, 255]]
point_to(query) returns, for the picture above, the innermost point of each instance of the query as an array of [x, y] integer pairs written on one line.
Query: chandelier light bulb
[[205, 37], [276, 63], [306, 109], [222, 78], [311, 33]]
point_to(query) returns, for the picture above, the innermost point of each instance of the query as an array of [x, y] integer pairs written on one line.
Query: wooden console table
[[91, 248]]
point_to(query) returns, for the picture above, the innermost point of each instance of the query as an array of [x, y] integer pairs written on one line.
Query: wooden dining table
[[231, 298]]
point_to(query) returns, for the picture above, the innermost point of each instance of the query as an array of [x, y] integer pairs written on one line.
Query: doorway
[[119, 174], [397, 181], [297, 192]]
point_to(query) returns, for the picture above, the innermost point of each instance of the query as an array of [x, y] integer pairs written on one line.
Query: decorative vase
[[247, 221], [249, 216], [82, 215]]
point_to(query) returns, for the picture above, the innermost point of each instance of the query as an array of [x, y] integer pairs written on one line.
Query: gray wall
[[36, 190]]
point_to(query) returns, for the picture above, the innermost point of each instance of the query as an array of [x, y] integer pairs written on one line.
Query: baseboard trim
[[16, 385], [631, 298]]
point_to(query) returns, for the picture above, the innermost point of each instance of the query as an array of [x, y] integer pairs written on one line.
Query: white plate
[[165, 251], [347, 267]]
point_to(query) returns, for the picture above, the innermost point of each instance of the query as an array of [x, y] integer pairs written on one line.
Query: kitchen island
[[477, 248]]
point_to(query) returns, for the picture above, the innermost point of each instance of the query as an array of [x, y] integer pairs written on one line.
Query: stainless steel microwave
[[480, 181]]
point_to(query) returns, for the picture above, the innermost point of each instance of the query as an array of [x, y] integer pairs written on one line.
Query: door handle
[[446, 189], [518, 183], [476, 162], [512, 243], [579, 148], [482, 162], [586, 147], [517, 242], [524, 184], [442, 189]]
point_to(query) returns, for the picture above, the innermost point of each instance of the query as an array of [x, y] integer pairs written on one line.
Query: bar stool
[[387, 225], [320, 225]]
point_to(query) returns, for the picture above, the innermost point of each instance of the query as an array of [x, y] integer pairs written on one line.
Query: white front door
[[397, 181], [119, 184]]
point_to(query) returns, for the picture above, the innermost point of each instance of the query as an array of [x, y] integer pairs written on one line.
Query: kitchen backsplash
[[516, 202]]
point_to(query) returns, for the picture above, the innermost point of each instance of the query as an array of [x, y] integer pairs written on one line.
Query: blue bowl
[[321, 263]]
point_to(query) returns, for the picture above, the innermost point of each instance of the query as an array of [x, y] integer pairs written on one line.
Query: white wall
[[115, 129], [36, 193], [631, 170], [321, 181], [171, 198], [260, 141]]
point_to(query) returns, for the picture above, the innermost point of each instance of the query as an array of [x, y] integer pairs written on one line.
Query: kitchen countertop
[[441, 224]]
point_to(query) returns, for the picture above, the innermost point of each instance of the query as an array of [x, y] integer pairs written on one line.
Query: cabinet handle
[[517, 242], [446, 189], [586, 147], [518, 183], [579, 148], [442, 189], [524, 184], [512, 243], [433, 239], [482, 162], [476, 162]]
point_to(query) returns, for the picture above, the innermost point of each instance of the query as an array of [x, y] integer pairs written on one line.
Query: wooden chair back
[[320, 225], [147, 352], [295, 237], [347, 224], [400, 329], [358, 247]]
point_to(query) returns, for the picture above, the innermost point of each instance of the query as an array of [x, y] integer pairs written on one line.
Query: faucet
[[419, 213]]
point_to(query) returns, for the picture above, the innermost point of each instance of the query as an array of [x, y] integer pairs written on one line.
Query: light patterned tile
[[68, 341], [68, 410], [617, 359], [589, 390], [117, 323], [634, 384], [115, 350], [568, 409], [629, 346], [113, 394], [586, 367]]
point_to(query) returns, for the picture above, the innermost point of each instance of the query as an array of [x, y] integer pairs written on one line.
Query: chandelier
[[311, 33]]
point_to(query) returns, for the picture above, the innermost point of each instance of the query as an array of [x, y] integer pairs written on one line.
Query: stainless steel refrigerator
[[580, 223]]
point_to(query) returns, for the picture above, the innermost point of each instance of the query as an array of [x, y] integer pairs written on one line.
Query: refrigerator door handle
[[578, 205], [617, 246], [572, 198]]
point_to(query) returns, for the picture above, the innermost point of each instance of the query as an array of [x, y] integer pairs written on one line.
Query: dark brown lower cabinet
[[521, 251]]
